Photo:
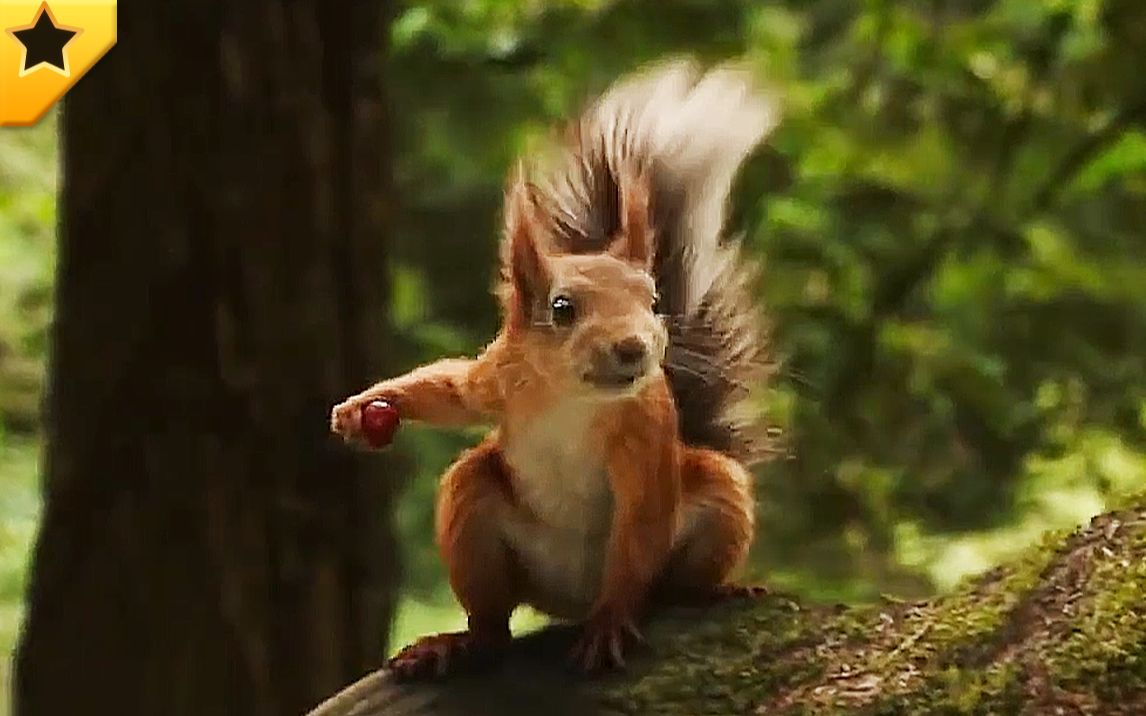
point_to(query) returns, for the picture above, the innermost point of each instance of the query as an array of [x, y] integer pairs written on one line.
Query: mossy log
[[1062, 630]]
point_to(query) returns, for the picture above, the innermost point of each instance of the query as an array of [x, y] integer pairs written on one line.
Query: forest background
[[952, 216]]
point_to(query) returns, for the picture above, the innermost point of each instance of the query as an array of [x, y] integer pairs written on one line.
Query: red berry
[[379, 421]]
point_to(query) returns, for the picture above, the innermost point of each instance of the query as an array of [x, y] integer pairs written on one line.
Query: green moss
[[980, 608], [971, 652], [994, 690], [911, 653], [926, 655], [722, 665], [876, 659], [990, 691], [1105, 651]]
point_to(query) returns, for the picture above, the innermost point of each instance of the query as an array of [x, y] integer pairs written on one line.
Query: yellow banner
[[45, 48]]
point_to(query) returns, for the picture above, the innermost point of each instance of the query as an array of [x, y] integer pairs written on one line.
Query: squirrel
[[617, 475]]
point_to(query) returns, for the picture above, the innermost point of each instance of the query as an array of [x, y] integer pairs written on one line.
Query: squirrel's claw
[[603, 643], [346, 420]]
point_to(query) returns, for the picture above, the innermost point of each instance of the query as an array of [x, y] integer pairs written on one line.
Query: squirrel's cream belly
[[560, 533]]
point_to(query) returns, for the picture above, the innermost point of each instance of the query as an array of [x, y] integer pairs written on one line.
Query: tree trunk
[[1060, 631], [206, 547]]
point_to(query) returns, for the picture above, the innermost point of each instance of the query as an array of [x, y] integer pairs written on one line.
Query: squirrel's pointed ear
[[524, 256], [635, 242]]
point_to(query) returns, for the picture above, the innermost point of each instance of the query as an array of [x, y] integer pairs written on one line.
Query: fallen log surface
[[1061, 630]]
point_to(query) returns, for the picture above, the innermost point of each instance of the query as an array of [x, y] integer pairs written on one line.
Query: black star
[[44, 41]]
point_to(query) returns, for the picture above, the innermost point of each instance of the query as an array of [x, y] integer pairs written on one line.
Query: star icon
[[43, 43]]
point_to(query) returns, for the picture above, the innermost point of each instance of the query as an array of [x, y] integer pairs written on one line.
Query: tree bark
[[1060, 631], [206, 547]]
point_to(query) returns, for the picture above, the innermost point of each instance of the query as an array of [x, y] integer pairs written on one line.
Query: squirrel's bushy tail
[[686, 132]]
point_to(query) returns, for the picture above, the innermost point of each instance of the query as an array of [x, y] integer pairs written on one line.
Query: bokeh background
[[952, 216]]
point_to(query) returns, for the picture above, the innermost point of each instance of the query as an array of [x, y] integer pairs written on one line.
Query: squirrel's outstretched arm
[[447, 392], [643, 459]]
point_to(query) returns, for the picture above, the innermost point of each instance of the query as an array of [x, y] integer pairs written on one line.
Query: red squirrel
[[618, 470]]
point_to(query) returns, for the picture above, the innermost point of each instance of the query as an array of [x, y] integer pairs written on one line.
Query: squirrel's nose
[[629, 351]]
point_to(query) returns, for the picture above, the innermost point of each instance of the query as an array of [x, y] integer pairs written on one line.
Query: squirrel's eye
[[656, 303], [563, 313]]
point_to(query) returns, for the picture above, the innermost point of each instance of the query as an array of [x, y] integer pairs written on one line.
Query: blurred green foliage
[[952, 217], [27, 256]]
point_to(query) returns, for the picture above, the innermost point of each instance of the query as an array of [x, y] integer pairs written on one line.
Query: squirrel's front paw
[[346, 419], [604, 640], [367, 421]]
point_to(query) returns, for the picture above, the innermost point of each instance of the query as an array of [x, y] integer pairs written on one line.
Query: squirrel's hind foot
[[439, 655], [604, 641]]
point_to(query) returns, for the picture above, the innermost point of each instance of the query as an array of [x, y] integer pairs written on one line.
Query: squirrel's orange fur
[[593, 494]]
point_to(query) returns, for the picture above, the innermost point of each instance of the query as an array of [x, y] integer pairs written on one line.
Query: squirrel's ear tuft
[[635, 241], [525, 263]]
